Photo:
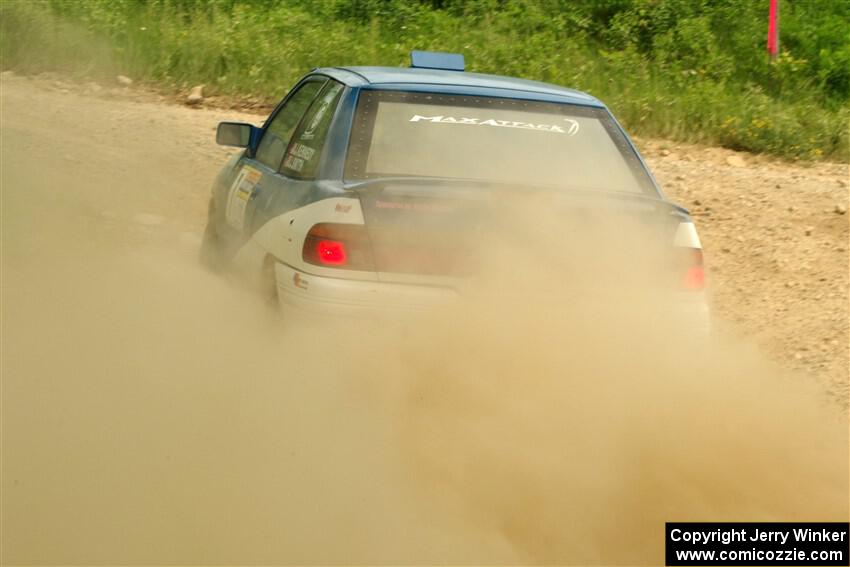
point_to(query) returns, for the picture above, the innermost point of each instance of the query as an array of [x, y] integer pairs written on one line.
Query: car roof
[[456, 81]]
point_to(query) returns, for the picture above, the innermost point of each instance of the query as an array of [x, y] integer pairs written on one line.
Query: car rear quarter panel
[[283, 236]]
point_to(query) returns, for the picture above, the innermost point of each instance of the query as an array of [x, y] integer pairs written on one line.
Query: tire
[[210, 254], [268, 284]]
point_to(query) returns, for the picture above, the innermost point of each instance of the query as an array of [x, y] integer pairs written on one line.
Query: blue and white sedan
[[368, 188]]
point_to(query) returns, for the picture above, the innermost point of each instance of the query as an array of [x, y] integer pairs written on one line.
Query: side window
[[303, 154], [279, 131]]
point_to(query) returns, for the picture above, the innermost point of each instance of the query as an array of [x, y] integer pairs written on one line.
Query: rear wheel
[[267, 286], [211, 253], [268, 283]]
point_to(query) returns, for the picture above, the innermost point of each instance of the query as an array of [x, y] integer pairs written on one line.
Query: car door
[[296, 182], [255, 174]]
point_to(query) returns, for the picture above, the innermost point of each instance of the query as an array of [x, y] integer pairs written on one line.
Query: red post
[[773, 29]]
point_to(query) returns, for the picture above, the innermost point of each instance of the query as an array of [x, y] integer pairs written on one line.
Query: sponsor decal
[[571, 127], [310, 132], [241, 191], [340, 208]]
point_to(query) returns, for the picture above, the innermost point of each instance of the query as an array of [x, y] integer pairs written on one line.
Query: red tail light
[[336, 245], [331, 252], [694, 278]]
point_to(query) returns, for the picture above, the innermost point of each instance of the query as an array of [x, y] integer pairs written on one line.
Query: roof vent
[[436, 60]]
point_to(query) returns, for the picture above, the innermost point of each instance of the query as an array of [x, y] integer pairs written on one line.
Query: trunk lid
[[444, 231]]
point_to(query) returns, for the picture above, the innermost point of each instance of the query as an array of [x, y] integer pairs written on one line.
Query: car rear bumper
[[341, 298], [311, 294]]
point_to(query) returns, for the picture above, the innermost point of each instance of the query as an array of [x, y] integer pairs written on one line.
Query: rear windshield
[[491, 139]]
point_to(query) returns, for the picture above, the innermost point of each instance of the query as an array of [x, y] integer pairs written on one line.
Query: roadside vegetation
[[689, 70]]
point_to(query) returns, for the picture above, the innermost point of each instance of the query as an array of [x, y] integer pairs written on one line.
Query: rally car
[[367, 187]]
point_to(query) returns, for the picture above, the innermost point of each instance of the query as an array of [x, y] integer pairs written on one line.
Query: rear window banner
[[492, 140], [571, 127]]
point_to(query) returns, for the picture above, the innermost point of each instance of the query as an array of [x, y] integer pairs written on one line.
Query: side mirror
[[234, 134]]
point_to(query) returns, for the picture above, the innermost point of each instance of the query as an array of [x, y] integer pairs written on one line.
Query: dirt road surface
[[104, 195], [776, 242]]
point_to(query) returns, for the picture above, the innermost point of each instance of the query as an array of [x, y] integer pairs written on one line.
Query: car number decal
[[240, 193]]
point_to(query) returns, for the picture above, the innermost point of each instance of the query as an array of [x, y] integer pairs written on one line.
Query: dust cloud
[[156, 413], [576, 439], [574, 416]]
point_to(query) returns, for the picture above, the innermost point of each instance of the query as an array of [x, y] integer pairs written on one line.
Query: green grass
[[689, 70]]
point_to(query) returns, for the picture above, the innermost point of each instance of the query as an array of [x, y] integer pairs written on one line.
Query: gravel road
[[776, 243]]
